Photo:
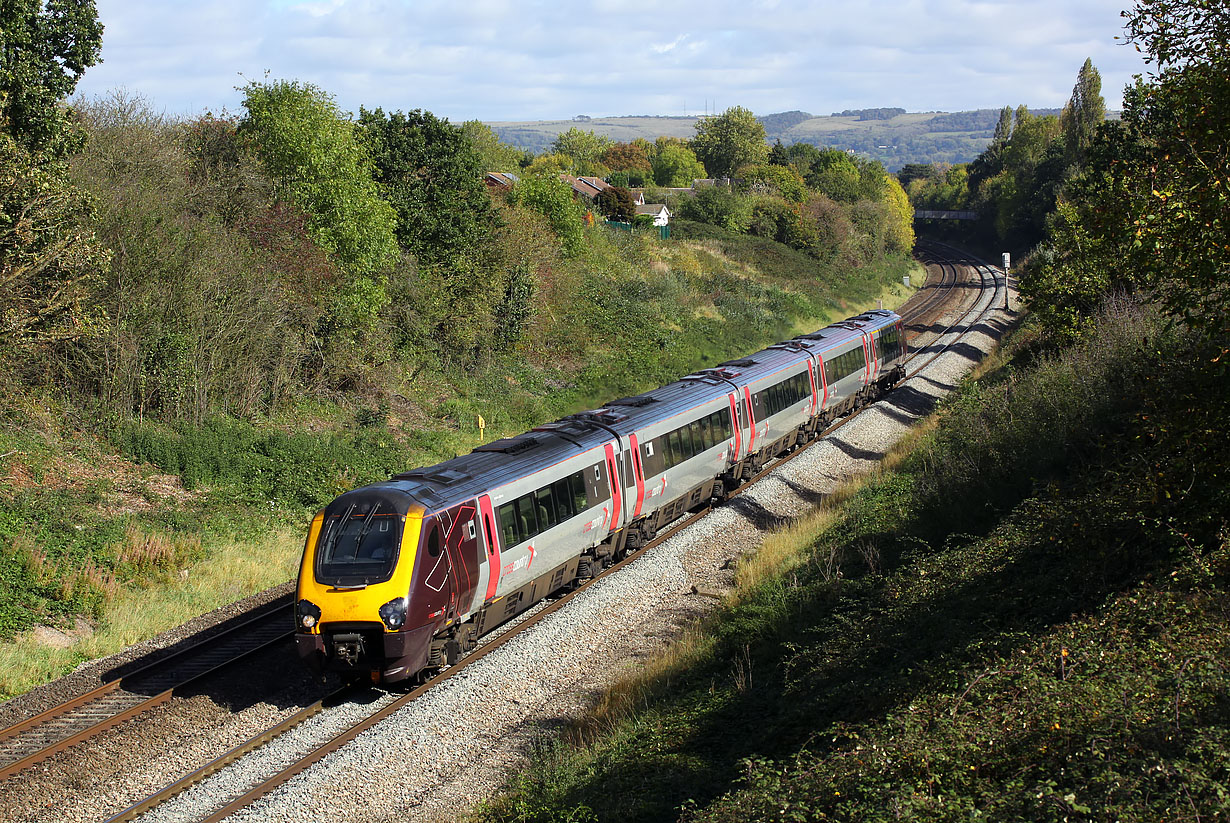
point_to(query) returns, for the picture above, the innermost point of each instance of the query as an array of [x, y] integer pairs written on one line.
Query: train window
[[685, 443], [561, 491], [726, 424], [629, 471], [508, 525], [545, 503], [674, 455], [580, 499], [698, 437], [706, 432], [527, 518], [433, 541]]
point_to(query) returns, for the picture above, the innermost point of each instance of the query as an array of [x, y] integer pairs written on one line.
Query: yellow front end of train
[[353, 610]]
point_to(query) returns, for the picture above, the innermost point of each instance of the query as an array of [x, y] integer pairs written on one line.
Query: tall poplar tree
[[1083, 113]]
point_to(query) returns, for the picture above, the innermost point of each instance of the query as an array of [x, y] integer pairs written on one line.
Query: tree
[[733, 139], [45, 47], [49, 263], [616, 203], [778, 179], [627, 157], [493, 155], [432, 176], [314, 153], [719, 206], [1152, 206], [552, 198], [585, 148], [837, 175], [548, 165], [899, 237], [1082, 115], [676, 166]]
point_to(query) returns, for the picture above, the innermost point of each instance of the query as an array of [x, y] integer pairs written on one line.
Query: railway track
[[939, 293], [61, 727]]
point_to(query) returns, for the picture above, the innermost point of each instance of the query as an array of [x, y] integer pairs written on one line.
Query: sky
[[496, 60]]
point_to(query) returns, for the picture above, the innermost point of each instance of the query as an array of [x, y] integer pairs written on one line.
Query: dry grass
[[230, 572]]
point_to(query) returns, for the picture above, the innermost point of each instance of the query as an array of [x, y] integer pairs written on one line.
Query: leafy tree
[[548, 165], [314, 153], [552, 198], [676, 166], [1082, 115], [1151, 208], [616, 203], [780, 179], [45, 47], [733, 139], [899, 237], [492, 154], [720, 206], [627, 157], [585, 148], [49, 262], [432, 176], [836, 175]]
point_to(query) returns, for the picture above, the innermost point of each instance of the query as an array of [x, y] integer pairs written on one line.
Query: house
[[585, 188], [501, 180], [658, 211]]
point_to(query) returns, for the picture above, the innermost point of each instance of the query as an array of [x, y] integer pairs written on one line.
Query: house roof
[[502, 178], [583, 186], [653, 208], [597, 182]]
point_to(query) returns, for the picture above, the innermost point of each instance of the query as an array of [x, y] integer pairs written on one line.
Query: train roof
[[838, 333], [489, 465]]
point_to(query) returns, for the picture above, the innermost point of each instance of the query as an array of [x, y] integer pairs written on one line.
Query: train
[[402, 577]]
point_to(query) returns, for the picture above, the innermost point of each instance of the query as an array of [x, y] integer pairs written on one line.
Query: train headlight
[[307, 614], [393, 613]]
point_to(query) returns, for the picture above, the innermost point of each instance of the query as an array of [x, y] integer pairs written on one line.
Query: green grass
[[1024, 620]]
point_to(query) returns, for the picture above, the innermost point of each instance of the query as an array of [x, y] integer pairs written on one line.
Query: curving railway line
[[57, 729]]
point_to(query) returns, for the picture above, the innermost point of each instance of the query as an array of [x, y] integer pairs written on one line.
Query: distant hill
[[892, 136]]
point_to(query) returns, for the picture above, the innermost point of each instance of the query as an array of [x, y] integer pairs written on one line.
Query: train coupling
[[348, 648]]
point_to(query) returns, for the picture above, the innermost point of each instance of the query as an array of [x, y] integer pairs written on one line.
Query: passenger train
[[405, 575]]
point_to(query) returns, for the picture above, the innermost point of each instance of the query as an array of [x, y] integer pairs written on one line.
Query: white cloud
[[504, 60]]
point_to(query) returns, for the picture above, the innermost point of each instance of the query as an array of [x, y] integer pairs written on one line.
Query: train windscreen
[[358, 544]]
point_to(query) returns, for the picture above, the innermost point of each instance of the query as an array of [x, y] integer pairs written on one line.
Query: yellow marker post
[[482, 424]]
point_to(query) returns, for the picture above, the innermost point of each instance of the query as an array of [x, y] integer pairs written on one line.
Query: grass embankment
[[1024, 619], [100, 518]]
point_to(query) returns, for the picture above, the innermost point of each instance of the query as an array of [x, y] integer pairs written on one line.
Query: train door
[[637, 475], [489, 567], [736, 425], [616, 484], [751, 420], [461, 555]]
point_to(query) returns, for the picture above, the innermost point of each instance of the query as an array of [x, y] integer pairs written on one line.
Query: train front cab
[[354, 611]]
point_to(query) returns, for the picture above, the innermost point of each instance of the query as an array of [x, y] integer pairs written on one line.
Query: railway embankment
[[1023, 615]]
